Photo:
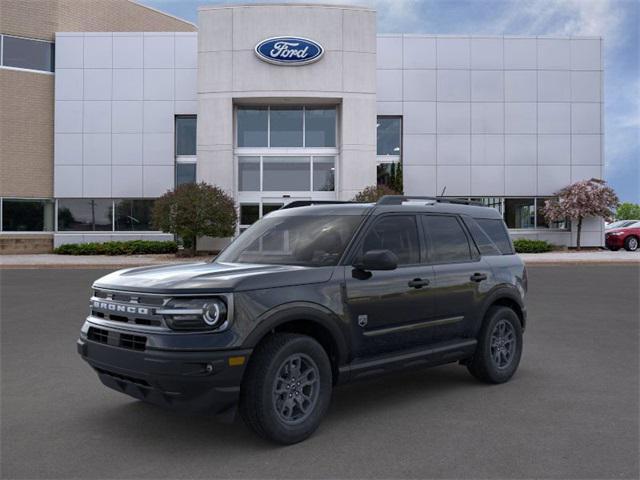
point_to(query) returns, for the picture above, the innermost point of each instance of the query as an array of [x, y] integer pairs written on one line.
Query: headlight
[[195, 313], [616, 233]]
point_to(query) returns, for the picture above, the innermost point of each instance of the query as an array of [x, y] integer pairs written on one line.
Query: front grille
[[133, 342], [98, 335], [128, 308], [122, 340]]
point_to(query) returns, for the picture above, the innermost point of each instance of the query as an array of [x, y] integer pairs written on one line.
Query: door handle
[[478, 277], [418, 283]]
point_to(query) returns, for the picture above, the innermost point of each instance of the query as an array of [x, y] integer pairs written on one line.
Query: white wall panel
[[487, 117], [552, 178], [98, 51], [586, 150], [453, 85], [487, 149], [585, 86], [126, 181], [454, 149], [454, 117], [127, 117], [96, 181], [419, 117], [554, 149], [68, 116], [127, 51], [389, 52], [454, 180], [158, 117], [487, 53], [520, 118], [158, 51], [453, 52], [97, 84], [419, 85], [487, 180], [158, 149], [554, 86], [69, 50], [126, 149], [419, 52], [487, 85], [521, 85], [128, 84], [520, 180], [96, 117], [68, 84], [419, 149], [554, 118], [156, 180], [68, 149], [520, 53], [420, 180], [389, 85], [586, 54], [158, 84], [585, 118], [67, 181], [96, 149], [520, 149], [554, 54]]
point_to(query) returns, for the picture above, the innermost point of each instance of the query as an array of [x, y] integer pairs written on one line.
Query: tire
[[268, 402], [497, 366], [631, 243]]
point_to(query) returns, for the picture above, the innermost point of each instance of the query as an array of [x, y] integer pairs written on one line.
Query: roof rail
[[307, 203], [400, 199]]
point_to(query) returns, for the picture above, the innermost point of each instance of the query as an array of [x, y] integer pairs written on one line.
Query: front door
[[389, 308]]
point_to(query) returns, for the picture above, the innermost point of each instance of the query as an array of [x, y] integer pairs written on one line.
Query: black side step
[[438, 354]]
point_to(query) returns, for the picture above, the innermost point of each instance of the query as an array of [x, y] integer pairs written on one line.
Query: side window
[[497, 232], [484, 243], [398, 233], [447, 239]]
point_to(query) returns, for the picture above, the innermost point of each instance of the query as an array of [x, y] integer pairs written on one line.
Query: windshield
[[621, 224], [306, 240]]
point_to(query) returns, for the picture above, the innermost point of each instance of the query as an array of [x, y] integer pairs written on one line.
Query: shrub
[[195, 210], [132, 247], [524, 245]]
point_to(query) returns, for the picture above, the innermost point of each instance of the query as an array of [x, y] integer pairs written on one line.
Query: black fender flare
[[296, 311], [500, 293]]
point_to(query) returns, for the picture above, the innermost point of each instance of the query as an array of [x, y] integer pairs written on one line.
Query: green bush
[[132, 247], [524, 245]]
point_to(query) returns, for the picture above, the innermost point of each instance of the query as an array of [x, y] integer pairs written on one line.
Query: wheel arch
[[313, 320], [506, 298]]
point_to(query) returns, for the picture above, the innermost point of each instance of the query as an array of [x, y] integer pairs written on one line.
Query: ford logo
[[289, 51]]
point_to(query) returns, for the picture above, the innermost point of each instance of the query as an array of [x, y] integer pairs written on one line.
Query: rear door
[[389, 308], [461, 276]]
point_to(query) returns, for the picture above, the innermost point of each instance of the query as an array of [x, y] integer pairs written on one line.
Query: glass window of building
[[519, 212], [286, 174], [133, 215], [286, 127], [324, 174], [493, 202], [27, 215], [270, 207], [249, 213], [390, 174], [86, 215], [389, 133], [185, 173], [249, 174], [26, 53], [320, 127], [253, 126], [186, 126], [541, 219]]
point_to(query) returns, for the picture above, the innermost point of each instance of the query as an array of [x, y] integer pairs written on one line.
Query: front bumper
[[196, 381], [614, 241]]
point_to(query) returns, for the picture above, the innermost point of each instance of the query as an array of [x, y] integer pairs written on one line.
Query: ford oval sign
[[289, 51]]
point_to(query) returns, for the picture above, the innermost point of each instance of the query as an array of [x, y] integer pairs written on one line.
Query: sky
[[617, 21]]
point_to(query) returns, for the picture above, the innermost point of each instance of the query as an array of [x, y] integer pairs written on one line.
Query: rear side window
[[447, 240], [398, 233], [484, 243], [497, 232]]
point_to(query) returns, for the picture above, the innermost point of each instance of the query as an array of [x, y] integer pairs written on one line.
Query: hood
[[206, 277]]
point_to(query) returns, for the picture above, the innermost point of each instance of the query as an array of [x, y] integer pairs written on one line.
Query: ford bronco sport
[[309, 297]]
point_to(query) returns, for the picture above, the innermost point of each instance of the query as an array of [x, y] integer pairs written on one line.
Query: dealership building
[[119, 103]]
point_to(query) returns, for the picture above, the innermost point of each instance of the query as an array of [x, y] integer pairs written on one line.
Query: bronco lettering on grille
[[116, 307]]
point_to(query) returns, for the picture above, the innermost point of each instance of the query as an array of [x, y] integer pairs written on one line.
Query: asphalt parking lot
[[570, 412]]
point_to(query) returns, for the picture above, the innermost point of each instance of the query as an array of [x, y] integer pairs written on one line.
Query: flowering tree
[[195, 210], [373, 193], [586, 198]]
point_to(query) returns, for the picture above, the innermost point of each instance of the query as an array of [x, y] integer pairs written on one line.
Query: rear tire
[[631, 243], [499, 347], [287, 388]]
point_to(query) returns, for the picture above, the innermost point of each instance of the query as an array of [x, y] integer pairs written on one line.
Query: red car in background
[[626, 237]]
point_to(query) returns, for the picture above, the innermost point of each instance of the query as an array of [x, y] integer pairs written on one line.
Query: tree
[[586, 198], [628, 211], [195, 210], [373, 193]]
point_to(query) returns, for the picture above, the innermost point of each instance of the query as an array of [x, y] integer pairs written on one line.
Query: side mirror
[[377, 260]]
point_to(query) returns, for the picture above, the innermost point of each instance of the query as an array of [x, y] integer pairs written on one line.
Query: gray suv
[[310, 297]]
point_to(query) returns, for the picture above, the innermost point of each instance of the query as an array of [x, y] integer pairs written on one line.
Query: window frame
[[474, 254], [268, 146], [22, 69]]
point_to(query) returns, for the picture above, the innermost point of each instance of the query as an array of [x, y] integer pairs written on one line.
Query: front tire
[[631, 244], [499, 347], [287, 388]]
